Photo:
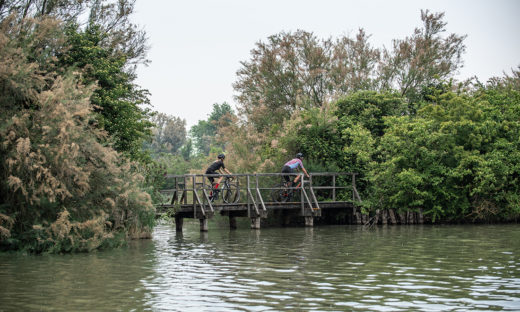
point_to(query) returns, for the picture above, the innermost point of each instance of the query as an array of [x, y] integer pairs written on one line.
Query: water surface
[[326, 268]]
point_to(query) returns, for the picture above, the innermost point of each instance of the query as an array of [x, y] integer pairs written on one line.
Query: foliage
[[176, 164], [117, 100], [244, 147], [421, 59], [205, 132], [457, 159], [169, 134], [297, 71], [293, 71], [60, 189], [112, 18], [105, 50]]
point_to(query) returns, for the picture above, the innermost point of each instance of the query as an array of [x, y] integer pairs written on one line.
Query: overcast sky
[[197, 45]]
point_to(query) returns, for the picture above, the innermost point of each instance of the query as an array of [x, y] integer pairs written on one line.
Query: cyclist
[[291, 166], [217, 165]]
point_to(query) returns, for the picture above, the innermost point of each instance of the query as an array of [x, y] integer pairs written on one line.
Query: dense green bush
[[60, 188], [457, 158]]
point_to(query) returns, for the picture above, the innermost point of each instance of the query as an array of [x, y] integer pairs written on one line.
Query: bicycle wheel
[[280, 193], [231, 194]]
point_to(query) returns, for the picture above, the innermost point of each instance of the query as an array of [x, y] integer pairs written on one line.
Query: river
[[325, 268]]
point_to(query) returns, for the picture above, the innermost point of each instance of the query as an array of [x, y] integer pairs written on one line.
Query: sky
[[196, 46]]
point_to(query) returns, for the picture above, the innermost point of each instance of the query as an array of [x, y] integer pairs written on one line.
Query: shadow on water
[[330, 268]]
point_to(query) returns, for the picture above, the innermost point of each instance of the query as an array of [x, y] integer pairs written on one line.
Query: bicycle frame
[[227, 188]]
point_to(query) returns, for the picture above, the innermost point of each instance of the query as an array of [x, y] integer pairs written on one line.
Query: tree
[[205, 132], [281, 73], [354, 64], [112, 18], [169, 133], [294, 71], [65, 10], [457, 158], [117, 100], [61, 190], [105, 49], [422, 59]]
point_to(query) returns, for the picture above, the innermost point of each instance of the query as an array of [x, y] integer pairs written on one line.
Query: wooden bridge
[[256, 196]]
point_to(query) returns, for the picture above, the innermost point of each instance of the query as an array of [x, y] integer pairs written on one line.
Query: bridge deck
[[183, 208], [255, 196]]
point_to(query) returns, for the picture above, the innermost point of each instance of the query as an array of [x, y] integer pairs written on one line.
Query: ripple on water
[[333, 268]]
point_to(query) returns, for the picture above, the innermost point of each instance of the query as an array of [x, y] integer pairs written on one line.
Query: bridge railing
[[256, 189]]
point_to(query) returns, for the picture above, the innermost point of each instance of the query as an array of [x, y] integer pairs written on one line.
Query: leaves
[[62, 188]]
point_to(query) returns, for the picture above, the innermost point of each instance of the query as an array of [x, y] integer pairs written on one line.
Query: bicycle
[[231, 192], [283, 193]]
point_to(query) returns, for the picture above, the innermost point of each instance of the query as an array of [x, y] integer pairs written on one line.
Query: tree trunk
[[376, 218], [384, 217], [392, 216], [402, 218], [420, 217]]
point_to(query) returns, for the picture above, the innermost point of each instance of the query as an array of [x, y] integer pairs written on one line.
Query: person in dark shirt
[[217, 165]]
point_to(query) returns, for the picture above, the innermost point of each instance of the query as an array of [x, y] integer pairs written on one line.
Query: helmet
[[299, 155], [221, 156]]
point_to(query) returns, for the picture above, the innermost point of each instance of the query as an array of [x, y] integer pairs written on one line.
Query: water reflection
[[334, 268], [95, 281]]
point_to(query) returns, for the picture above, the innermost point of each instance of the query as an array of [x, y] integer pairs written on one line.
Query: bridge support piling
[[286, 219], [232, 223], [309, 221], [255, 223], [203, 225], [178, 223], [357, 215]]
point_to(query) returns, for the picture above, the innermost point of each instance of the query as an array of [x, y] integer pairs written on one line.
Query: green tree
[[61, 189], [117, 100], [205, 132], [343, 135], [421, 59], [457, 159], [293, 71], [169, 133], [106, 51], [113, 18]]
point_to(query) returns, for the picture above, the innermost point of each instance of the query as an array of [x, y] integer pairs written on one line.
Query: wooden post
[[194, 197], [358, 218], [286, 218], [203, 225], [309, 221], [353, 187], [255, 223], [333, 187], [302, 202], [175, 191], [185, 192], [232, 223], [256, 193], [178, 223], [248, 199]]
